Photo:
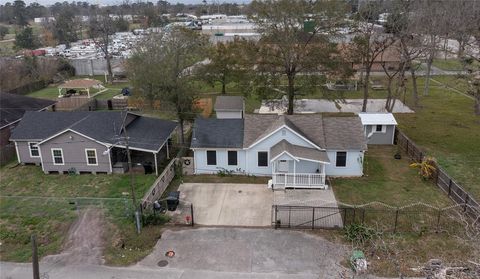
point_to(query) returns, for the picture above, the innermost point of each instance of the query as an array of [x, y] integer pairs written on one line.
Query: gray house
[[228, 107], [93, 142], [297, 151], [379, 128]]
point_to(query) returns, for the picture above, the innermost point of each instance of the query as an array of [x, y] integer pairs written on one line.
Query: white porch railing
[[299, 180]]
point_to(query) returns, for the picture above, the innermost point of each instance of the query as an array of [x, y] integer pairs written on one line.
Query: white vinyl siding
[[91, 155], [57, 156]]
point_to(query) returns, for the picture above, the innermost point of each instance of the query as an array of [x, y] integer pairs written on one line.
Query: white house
[[297, 151], [379, 128]]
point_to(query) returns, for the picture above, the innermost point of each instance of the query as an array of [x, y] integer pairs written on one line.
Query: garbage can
[[173, 200], [147, 166]]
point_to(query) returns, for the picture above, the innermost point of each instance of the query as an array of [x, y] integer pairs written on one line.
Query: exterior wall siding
[[201, 167], [247, 159], [24, 154], [378, 137], [265, 145], [73, 146], [229, 114], [354, 166]]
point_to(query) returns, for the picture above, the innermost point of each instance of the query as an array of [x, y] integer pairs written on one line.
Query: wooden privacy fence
[[75, 104], [441, 177], [7, 153], [159, 186]]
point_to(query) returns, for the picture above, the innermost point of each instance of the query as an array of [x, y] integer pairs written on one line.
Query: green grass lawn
[[446, 127], [387, 180], [50, 218], [448, 64]]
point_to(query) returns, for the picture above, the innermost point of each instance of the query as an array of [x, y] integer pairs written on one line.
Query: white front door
[[282, 166]]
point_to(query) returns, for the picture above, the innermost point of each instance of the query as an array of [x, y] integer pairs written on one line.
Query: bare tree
[[296, 41], [161, 69], [369, 43], [101, 27], [429, 19]]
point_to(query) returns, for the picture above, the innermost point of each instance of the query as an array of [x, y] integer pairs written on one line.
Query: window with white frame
[[91, 157], [341, 159], [211, 157], [57, 156], [34, 152], [262, 159]]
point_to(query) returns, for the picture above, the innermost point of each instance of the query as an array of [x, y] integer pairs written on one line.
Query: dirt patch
[[85, 243]]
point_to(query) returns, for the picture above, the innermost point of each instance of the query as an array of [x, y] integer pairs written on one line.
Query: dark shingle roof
[[325, 132], [217, 133], [104, 126], [229, 103], [13, 106]]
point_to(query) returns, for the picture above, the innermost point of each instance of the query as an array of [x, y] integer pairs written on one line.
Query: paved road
[[215, 253]]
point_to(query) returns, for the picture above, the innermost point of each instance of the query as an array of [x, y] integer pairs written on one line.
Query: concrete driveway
[[217, 204], [260, 251]]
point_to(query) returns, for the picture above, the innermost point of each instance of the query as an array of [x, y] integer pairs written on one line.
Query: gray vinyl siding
[[73, 146], [24, 154], [227, 114], [379, 137]]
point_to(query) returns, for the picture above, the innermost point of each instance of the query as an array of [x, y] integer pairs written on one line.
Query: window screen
[[211, 157], [232, 158], [263, 159], [341, 159]]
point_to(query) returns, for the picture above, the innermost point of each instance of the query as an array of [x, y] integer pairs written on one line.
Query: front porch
[[296, 166]]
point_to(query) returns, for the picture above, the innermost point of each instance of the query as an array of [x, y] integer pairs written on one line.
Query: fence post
[[289, 215], [191, 212], [353, 218], [466, 203], [438, 220], [449, 187], [313, 218], [363, 216], [396, 221], [406, 148], [275, 208], [345, 216]]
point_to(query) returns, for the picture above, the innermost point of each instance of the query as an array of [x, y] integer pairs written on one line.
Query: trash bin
[[173, 200], [147, 166]]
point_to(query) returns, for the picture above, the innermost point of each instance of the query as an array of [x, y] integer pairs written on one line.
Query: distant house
[[91, 141], [379, 128], [229, 107], [12, 109], [297, 151]]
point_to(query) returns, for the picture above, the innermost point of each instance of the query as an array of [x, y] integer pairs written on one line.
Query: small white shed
[[379, 128], [229, 107]]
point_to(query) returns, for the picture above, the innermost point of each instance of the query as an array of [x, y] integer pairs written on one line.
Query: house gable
[[285, 133]]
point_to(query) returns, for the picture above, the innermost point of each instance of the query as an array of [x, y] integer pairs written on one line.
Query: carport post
[[313, 218], [156, 164]]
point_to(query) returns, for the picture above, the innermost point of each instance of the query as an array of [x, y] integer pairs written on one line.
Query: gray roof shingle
[[104, 126], [298, 152], [13, 106], [234, 103], [325, 132], [217, 133]]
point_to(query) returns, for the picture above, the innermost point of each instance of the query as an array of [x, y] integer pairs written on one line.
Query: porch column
[[323, 174], [88, 92], [156, 164], [294, 172], [59, 92]]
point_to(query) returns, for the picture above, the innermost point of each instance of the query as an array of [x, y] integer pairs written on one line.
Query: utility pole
[[36, 269], [132, 179]]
